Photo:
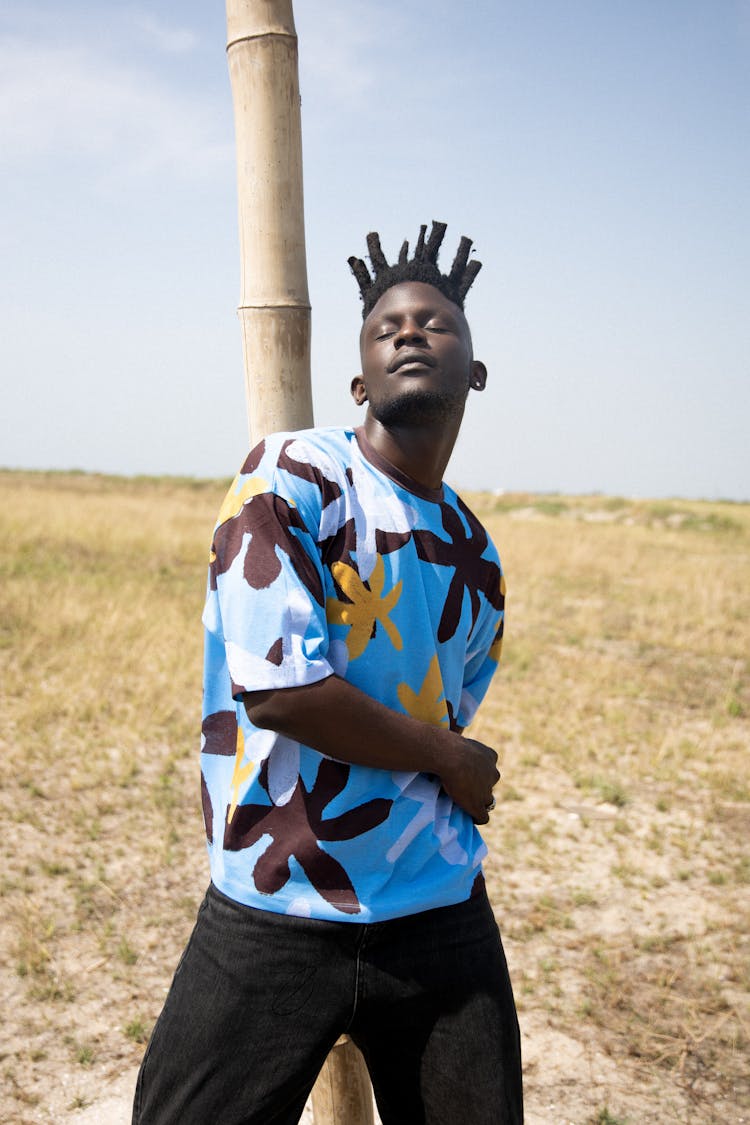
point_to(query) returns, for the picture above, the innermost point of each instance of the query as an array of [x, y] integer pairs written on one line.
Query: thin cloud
[[336, 41], [72, 102]]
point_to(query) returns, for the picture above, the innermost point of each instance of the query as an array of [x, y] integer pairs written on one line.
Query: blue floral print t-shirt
[[327, 560]]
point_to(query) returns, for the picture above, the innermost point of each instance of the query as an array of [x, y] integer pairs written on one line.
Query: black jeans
[[259, 999]]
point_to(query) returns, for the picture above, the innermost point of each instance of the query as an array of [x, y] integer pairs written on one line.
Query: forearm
[[337, 719], [343, 722]]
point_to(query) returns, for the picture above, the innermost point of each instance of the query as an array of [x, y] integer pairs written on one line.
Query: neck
[[421, 453]]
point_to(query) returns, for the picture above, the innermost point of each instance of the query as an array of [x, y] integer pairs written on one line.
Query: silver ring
[[492, 804]]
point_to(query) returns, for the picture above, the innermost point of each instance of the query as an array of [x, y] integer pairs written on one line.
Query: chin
[[417, 408]]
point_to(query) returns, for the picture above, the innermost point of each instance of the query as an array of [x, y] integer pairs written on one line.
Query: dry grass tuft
[[619, 864]]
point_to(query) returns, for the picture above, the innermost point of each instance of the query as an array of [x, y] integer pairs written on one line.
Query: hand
[[469, 775]]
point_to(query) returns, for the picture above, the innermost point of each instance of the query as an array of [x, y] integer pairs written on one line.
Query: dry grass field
[[619, 865]]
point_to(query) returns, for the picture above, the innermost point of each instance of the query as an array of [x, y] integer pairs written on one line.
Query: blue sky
[[596, 150]]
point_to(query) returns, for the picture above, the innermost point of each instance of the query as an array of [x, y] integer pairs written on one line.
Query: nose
[[410, 331]]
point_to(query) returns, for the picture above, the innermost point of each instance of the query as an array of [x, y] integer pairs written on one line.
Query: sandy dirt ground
[[576, 1072], [618, 852], [561, 1074]]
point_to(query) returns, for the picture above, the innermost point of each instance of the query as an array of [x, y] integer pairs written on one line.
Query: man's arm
[[339, 720]]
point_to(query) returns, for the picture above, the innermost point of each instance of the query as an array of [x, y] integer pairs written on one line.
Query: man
[[353, 622]]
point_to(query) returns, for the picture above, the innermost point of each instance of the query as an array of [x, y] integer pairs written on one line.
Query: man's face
[[417, 361]]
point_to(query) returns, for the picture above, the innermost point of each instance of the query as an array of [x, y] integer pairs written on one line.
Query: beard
[[418, 408]]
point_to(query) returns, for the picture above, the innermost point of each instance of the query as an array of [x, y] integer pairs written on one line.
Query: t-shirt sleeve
[[266, 600], [482, 657]]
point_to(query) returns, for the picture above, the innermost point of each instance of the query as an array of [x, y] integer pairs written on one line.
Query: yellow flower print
[[364, 607], [428, 704], [240, 773], [234, 501], [496, 648]]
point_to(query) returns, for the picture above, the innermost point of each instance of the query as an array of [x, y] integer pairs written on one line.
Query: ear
[[357, 388], [478, 375]]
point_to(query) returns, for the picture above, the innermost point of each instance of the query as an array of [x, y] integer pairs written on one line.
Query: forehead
[[414, 298]]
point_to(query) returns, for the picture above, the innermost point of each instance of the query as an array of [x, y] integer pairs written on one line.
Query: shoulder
[[305, 470], [322, 447], [283, 461], [311, 466]]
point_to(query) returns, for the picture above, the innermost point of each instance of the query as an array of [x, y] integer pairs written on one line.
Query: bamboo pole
[[274, 314], [342, 1094], [274, 307]]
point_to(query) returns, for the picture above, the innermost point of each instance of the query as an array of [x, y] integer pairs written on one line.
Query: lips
[[423, 359]]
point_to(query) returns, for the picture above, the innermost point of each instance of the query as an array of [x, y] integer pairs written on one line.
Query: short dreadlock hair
[[422, 267]]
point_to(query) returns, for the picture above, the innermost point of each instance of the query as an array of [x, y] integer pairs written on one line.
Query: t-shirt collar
[[402, 479]]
